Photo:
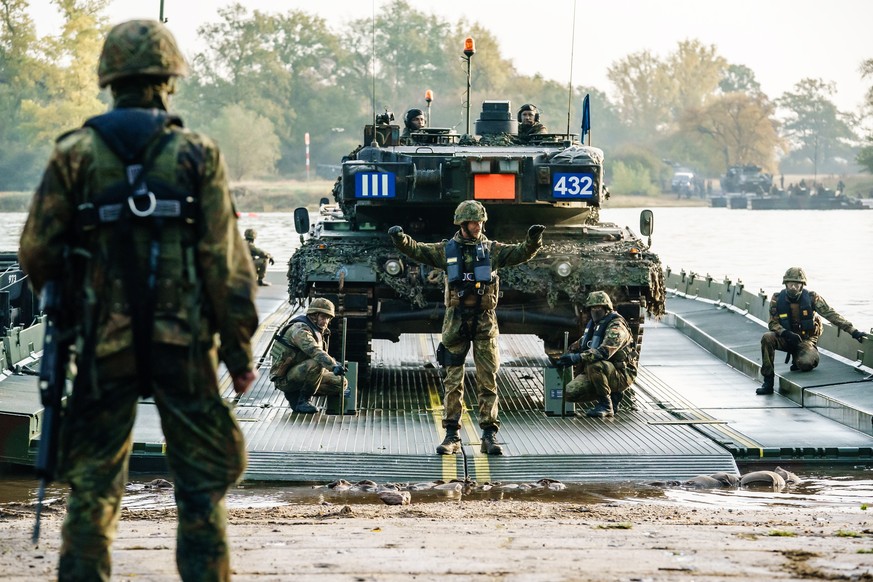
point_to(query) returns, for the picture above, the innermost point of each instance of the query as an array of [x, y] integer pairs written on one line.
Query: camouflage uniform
[[604, 369], [460, 319], [526, 132], [302, 366], [260, 257], [806, 356], [203, 285]]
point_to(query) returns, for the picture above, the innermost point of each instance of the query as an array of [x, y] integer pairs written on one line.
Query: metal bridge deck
[[693, 414]]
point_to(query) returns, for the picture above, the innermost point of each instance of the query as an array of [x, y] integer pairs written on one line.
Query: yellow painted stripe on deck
[[450, 462]]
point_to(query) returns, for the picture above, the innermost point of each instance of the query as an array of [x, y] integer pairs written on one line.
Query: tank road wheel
[[355, 304]]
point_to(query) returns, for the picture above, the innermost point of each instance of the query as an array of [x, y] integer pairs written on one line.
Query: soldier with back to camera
[[301, 367], [134, 210], [608, 356], [795, 325], [471, 262]]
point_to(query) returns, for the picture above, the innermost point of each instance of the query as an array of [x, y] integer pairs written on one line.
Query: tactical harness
[[281, 362], [462, 282], [797, 316], [302, 318], [593, 337], [130, 134]]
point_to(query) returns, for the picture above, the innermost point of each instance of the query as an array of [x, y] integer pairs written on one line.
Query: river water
[[754, 246]]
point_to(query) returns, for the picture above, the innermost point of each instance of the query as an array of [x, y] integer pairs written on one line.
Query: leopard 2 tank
[[416, 182]]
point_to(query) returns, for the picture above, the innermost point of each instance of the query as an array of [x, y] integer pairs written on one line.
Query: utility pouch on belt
[[447, 358]]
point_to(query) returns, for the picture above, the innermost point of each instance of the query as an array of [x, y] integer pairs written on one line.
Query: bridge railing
[[734, 295]]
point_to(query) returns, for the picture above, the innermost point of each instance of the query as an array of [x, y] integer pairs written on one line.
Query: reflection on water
[[834, 487]]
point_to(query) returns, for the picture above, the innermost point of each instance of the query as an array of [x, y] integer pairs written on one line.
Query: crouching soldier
[[301, 367], [260, 257], [608, 356]]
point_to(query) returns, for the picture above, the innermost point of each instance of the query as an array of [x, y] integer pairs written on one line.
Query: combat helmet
[[139, 47], [470, 210], [598, 298], [321, 305], [250, 234], [794, 274]]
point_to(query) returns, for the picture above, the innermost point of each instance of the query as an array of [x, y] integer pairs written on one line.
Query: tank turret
[[418, 180]]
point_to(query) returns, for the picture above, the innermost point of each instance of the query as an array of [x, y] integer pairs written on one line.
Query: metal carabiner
[[142, 213]]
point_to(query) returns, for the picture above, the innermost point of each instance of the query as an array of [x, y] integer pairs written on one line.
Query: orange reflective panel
[[494, 186]]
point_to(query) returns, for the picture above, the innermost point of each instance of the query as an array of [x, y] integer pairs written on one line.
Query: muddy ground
[[486, 540]]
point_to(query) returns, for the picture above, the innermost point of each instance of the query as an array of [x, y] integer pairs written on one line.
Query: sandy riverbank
[[487, 540]]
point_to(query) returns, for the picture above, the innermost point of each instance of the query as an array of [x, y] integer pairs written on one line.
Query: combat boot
[[304, 406], [490, 445], [766, 386], [451, 445], [602, 409], [616, 398]]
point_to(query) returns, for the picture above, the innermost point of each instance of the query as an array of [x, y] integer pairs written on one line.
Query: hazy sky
[[782, 41]]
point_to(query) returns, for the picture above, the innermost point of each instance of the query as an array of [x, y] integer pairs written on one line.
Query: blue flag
[[586, 117]]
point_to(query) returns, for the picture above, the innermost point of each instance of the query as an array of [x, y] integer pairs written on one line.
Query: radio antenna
[[373, 73], [572, 54]]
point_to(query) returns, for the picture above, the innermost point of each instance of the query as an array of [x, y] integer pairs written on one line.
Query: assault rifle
[[52, 388]]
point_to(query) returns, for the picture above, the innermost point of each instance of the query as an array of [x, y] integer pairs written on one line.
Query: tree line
[[265, 80]]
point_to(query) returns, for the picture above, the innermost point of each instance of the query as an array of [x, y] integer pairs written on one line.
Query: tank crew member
[[529, 123], [414, 121], [260, 257], [795, 325], [140, 207], [470, 261], [302, 368], [608, 356]]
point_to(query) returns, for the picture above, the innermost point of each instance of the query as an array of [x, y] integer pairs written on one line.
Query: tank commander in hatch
[[529, 123], [608, 356], [470, 261], [301, 367], [795, 325], [260, 257], [414, 121]]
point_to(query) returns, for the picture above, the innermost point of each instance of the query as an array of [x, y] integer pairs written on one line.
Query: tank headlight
[[563, 269], [393, 267]]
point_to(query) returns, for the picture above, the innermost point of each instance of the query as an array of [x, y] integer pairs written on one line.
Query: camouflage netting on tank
[[609, 268], [580, 155], [309, 260]]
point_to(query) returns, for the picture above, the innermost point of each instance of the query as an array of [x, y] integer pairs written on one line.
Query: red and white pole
[[306, 141]]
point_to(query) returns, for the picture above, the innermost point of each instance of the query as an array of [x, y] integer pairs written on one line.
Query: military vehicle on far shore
[[747, 179], [417, 181]]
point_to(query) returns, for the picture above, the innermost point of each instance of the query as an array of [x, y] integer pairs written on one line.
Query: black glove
[[395, 232], [792, 338], [339, 369], [270, 259], [859, 335], [535, 231], [567, 360]]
